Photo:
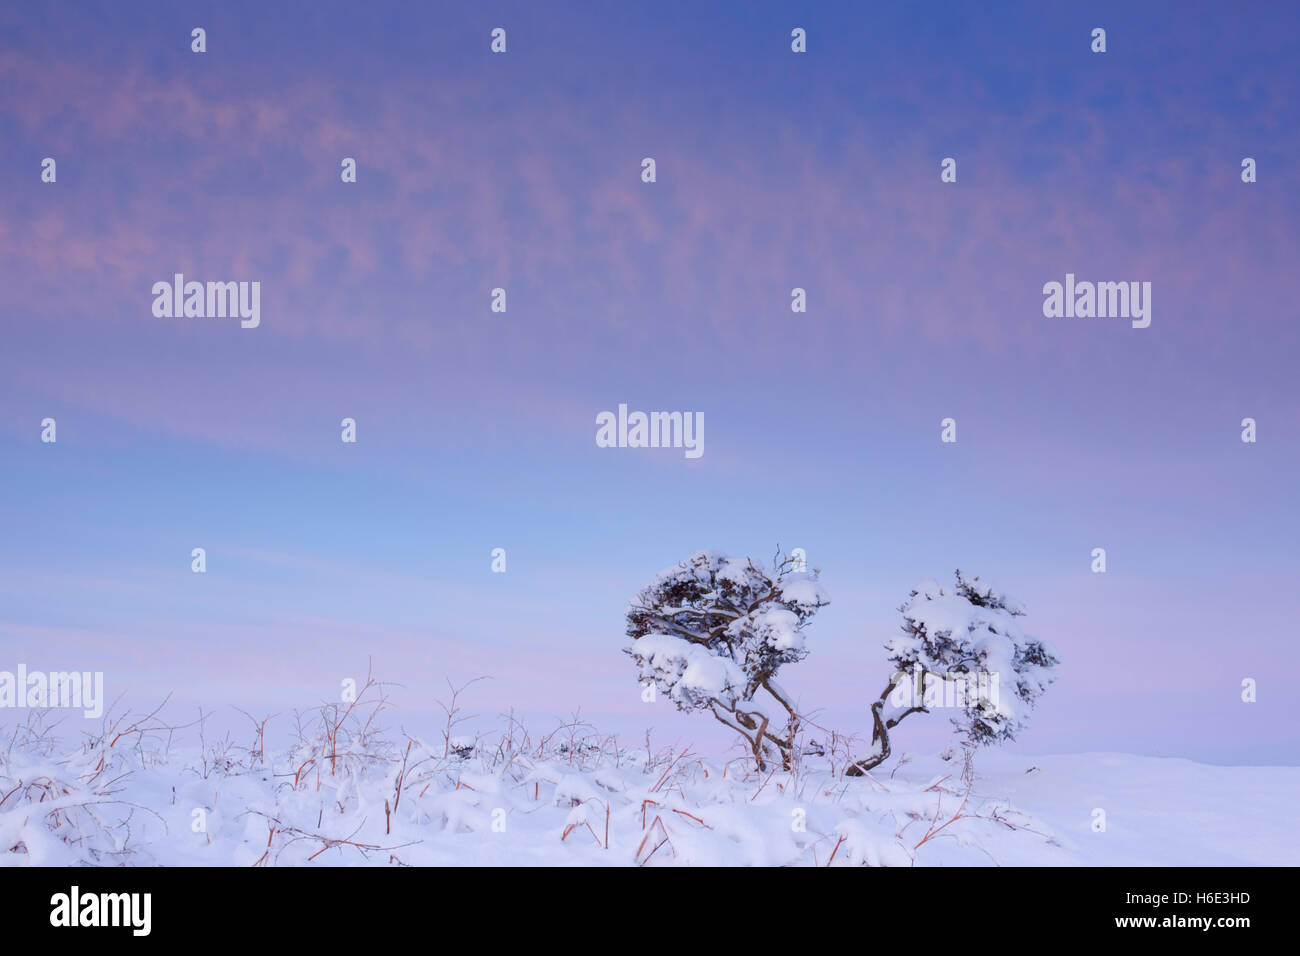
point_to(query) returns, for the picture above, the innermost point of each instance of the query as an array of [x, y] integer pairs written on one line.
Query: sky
[[476, 429]]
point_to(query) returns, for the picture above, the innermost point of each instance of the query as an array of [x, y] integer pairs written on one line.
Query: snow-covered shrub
[[961, 647], [711, 632], [144, 793], [64, 806], [342, 741]]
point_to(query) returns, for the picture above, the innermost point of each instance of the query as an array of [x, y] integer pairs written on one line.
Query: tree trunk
[[880, 727], [879, 732]]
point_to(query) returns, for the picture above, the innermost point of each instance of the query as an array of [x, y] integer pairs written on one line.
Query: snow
[[688, 673], [140, 800], [773, 627], [973, 628], [712, 630], [804, 590]]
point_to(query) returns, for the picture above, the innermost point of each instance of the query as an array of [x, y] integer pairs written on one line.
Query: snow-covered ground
[[346, 793], [1158, 810]]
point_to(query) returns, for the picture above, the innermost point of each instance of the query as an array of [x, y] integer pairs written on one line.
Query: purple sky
[[476, 430]]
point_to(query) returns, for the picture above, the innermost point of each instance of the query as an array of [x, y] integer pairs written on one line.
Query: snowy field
[[347, 793]]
